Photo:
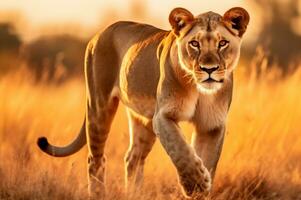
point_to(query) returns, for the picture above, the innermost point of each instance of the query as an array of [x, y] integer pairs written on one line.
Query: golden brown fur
[[162, 77]]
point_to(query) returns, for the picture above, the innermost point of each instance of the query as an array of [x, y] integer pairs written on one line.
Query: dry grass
[[260, 159]]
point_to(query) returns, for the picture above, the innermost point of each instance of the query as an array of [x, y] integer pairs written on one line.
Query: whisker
[[187, 75], [200, 72]]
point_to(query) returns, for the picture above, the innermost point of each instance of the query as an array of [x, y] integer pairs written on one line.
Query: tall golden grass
[[261, 158]]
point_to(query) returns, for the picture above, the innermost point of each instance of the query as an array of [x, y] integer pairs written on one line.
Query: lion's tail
[[70, 149]]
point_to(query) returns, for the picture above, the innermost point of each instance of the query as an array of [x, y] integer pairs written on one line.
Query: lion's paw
[[195, 180]]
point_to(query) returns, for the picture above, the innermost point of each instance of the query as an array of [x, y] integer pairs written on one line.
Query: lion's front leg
[[193, 175], [208, 145]]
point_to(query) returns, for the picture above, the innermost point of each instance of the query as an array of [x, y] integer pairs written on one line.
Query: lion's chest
[[186, 107], [211, 112]]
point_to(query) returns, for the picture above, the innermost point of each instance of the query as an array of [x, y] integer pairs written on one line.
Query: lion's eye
[[222, 43], [194, 43]]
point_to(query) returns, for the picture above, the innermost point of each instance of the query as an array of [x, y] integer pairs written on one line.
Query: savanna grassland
[[261, 158]]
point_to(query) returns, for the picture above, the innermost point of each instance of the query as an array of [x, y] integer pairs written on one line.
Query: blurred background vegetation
[[42, 45], [58, 55]]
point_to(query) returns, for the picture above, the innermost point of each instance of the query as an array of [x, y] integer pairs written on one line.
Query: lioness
[[162, 77]]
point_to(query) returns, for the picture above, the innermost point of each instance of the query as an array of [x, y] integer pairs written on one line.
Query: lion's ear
[[179, 18], [237, 19]]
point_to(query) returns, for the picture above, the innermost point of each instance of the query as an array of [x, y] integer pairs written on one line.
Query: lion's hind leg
[[142, 139], [101, 70], [98, 127]]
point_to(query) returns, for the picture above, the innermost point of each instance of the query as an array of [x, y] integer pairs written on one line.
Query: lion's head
[[208, 45]]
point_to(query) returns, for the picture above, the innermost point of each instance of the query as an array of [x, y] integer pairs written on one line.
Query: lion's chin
[[209, 87]]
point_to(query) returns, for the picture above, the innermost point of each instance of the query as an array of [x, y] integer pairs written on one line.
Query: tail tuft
[[43, 143]]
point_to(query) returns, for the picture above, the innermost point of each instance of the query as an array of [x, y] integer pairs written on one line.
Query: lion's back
[[126, 53], [123, 34]]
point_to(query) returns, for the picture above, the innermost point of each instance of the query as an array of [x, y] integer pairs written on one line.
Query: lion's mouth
[[211, 80]]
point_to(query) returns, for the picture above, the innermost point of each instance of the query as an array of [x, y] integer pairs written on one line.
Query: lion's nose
[[209, 70]]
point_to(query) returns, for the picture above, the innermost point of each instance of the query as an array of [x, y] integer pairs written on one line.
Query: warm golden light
[[42, 93]]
